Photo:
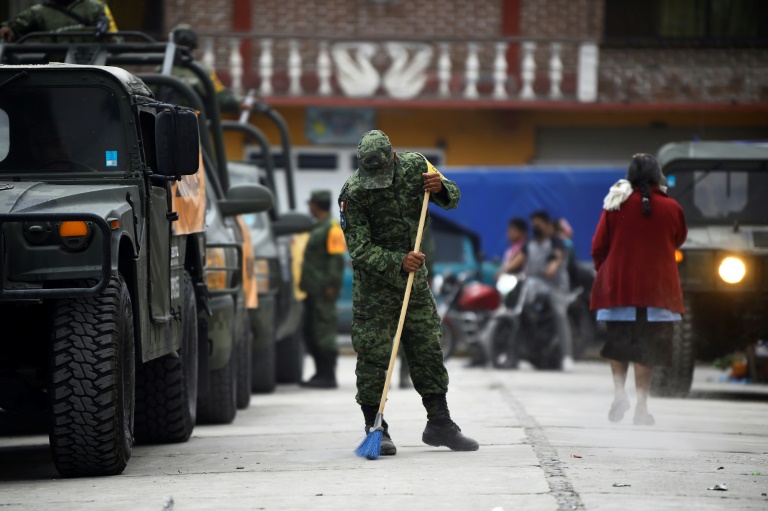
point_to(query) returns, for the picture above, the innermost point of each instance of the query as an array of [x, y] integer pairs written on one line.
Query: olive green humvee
[[102, 259], [723, 189]]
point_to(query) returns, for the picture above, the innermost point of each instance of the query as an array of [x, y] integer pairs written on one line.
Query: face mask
[[538, 232]]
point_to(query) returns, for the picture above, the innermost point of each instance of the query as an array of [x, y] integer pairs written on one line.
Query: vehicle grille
[[760, 239]]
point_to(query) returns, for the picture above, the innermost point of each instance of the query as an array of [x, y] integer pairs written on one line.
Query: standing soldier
[[380, 208], [60, 16], [321, 274]]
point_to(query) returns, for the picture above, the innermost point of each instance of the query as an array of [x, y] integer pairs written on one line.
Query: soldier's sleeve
[[449, 197], [336, 248], [387, 264], [27, 21]]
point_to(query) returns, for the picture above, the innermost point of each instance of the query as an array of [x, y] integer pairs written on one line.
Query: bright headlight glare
[[732, 270]]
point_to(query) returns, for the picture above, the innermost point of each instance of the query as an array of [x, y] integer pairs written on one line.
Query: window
[[708, 22], [67, 129], [318, 161]]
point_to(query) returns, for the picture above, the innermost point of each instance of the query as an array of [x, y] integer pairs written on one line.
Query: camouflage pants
[[320, 325], [372, 336]]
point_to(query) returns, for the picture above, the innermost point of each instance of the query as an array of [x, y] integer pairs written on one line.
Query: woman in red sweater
[[637, 289]]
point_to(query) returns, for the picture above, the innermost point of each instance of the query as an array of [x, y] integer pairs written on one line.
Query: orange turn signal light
[[73, 229], [679, 256], [114, 224]]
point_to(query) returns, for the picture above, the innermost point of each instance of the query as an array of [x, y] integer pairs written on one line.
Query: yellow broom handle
[[396, 343]]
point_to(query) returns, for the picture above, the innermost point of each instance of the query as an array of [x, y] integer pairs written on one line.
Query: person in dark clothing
[[544, 256], [637, 290]]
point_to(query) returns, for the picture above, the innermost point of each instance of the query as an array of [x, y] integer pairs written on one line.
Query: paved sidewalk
[[293, 450]]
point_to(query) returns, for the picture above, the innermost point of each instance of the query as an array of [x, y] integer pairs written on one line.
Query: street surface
[[293, 450]]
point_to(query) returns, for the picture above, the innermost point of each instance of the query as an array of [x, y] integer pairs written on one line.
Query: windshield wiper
[[13, 78]]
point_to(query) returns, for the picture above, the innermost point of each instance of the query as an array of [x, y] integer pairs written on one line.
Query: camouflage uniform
[[46, 18], [322, 269], [380, 217]]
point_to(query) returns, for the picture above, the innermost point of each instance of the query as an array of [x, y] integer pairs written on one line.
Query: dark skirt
[[649, 344]]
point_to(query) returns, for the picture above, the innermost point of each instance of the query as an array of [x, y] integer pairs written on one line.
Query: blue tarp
[[491, 196]]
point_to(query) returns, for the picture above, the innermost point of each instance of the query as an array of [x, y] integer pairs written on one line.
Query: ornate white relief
[[405, 79], [356, 76]]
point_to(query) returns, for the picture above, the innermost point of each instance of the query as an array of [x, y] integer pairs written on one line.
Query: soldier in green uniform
[[380, 208], [321, 274], [59, 16]]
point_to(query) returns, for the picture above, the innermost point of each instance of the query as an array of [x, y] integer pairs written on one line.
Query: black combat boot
[[441, 430], [387, 446], [326, 373]]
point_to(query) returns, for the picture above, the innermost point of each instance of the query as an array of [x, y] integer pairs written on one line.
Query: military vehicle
[[278, 344], [102, 257], [162, 414], [722, 187]]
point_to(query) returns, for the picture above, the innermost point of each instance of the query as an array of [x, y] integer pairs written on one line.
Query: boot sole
[[437, 443]]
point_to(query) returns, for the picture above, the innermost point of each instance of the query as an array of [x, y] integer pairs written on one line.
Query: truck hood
[[724, 237], [36, 197]]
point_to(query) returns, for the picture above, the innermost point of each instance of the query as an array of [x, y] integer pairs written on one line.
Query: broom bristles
[[371, 446]]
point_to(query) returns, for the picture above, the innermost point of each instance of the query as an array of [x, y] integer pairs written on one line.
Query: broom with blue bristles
[[371, 447]]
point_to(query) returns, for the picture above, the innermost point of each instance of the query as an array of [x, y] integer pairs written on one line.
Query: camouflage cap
[[376, 160], [320, 196]]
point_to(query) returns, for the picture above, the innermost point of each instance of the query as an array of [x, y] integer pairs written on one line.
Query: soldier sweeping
[[321, 274], [380, 208]]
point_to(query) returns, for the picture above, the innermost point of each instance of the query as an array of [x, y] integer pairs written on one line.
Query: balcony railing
[[414, 69]]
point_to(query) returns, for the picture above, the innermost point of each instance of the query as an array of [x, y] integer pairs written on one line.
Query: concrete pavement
[[293, 450]]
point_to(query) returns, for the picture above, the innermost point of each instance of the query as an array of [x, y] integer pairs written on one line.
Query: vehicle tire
[[448, 339], [243, 350], [503, 347], [289, 357], [676, 380], [91, 391], [263, 379], [166, 388], [219, 405]]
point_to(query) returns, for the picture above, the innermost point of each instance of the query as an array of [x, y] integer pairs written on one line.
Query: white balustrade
[[472, 73], [586, 90], [236, 66], [500, 72], [555, 71], [528, 71], [402, 70], [324, 70], [294, 68], [209, 58], [444, 70], [265, 67]]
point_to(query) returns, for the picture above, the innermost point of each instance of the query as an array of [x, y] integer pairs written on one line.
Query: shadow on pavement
[[30, 457], [730, 395]]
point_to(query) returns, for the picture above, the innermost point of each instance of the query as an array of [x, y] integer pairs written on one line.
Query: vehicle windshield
[[68, 129], [721, 196]]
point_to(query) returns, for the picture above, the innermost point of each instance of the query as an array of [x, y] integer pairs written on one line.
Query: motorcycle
[[524, 326], [465, 307]]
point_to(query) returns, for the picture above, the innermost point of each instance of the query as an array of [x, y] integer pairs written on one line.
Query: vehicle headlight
[[215, 272], [506, 284], [732, 270], [437, 284]]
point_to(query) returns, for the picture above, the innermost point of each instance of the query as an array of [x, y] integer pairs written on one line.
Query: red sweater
[[635, 255]]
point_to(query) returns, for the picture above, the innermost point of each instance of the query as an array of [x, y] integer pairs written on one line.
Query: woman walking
[[637, 289]]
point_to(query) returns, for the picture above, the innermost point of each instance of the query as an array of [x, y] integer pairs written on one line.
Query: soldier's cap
[[320, 196], [375, 160]]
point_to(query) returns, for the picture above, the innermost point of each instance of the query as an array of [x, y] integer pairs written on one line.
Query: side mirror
[[292, 223], [177, 143], [246, 199]]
